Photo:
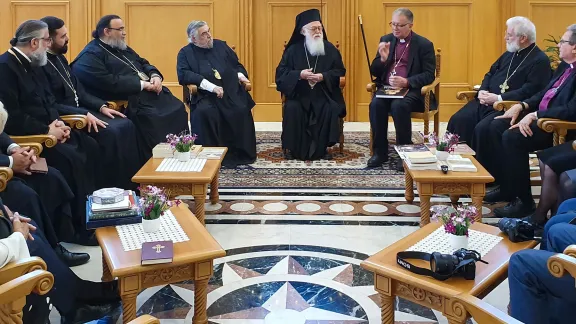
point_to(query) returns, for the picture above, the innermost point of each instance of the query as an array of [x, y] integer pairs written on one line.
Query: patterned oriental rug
[[346, 171]]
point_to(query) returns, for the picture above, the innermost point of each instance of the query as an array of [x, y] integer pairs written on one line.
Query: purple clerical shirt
[[552, 91], [402, 68]]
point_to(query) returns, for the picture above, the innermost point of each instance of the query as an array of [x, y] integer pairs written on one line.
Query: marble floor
[[293, 255]]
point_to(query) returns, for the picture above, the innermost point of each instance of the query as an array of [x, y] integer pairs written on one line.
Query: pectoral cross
[[393, 73], [76, 98], [504, 86], [158, 248]]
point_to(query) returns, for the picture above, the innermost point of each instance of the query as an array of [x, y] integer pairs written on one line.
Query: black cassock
[[310, 122], [225, 121], [123, 151], [31, 108], [532, 76], [110, 77]]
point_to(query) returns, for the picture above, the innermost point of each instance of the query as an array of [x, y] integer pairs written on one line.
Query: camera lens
[[443, 263]]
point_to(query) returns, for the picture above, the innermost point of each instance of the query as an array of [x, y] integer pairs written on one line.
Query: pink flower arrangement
[[154, 201], [457, 220], [447, 143], [181, 143]]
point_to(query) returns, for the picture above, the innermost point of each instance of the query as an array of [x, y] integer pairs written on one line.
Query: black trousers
[[400, 109], [465, 121]]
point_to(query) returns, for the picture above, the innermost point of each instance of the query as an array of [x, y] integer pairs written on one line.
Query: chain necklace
[[312, 84], [142, 75], [69, 81], [393, 73], [504, 86]]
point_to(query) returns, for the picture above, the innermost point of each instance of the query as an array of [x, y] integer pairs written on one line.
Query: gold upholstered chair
[[427, 91]]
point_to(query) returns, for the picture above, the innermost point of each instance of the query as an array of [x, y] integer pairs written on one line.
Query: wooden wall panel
[[469, 32]]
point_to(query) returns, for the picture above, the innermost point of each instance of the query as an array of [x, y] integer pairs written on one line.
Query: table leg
[[409, 190], [200, 301], [477, 202], [214, 195], [106, 274], [129, 307], [454, 199], [424, 209], [387, 310], [199, 201]]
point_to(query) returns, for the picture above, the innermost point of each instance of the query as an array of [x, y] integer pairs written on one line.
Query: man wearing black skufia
[[309, 77], [118, 138], [517, 74], [220, 113], [33, 111], [110, 70], [404, 60]]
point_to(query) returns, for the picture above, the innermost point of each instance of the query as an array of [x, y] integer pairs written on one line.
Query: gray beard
[[315, 46], [208, 45], [39, 57], [115, 43], [512, 48]]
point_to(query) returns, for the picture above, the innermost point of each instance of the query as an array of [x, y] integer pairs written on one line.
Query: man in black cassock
[[118, 139], [517, 74], [110, 70], [404, 60], [220, 113], [309, 77], [33, 110]]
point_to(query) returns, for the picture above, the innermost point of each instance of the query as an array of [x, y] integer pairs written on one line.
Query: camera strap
[[401, 256]]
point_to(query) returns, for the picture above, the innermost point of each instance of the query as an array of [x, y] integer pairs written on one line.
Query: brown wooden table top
[[384, 263], [148, 174], [481, 175], [201, 246]]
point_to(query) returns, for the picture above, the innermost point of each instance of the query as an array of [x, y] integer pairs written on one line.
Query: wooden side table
[[193, 260], [429, 182]]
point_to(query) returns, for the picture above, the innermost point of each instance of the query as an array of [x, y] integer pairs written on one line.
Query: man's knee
[[560, 236], [523, 261], [400, 109]]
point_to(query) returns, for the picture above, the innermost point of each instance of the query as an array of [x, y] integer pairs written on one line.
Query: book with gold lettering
[[391, 92], [157, 252]]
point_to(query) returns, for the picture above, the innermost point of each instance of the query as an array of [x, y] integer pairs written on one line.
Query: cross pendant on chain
[[504, 86]]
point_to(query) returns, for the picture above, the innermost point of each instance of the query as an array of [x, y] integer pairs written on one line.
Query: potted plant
[[181, 144], [553, 51], [456, 221], [154, 202], [445, 145]]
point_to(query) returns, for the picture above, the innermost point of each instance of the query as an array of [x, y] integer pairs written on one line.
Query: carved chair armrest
[[37, 148], [193, 89], [427, 88], [75, 121], [38, 281], [560, 263], [504, 105], [145, 319], [466, 95], [551, 125], [21, 267], [5, 175], [481, 311], [571, 250], [247, 85], [46, 140], [117, 104], [371, 87], [342, 82]]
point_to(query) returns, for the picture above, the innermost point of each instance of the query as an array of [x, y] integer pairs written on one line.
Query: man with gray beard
[[111, 70], [309, 77]]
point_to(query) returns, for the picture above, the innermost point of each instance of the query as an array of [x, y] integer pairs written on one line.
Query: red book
[[157, 252]]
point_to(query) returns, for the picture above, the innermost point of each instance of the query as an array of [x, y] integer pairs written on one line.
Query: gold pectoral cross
[[158, 248], [504, 86], [217, 74]]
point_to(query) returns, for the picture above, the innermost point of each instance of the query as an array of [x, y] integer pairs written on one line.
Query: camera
[[461, 263], [516, 229]]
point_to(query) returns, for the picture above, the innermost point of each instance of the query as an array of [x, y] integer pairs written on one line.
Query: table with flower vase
[[391, 280], [184, 183], [430, 182]]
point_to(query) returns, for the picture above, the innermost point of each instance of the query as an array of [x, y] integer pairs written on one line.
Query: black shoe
[[288, 155], [83, 313], [71, 259], [515, 209], [327, 156], [377, 160], [495, 196]]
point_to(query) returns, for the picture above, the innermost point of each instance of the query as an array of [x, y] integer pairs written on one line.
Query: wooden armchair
[[484, 313], [118, 105], [427, 91], [36, 141], [342, 85]]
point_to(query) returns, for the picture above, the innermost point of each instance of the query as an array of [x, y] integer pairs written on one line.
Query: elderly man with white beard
[[220, 113], [309, 77]]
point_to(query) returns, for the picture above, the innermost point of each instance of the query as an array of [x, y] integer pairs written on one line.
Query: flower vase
[[151, 225], [182, 156], [442, 155], [458, 242]]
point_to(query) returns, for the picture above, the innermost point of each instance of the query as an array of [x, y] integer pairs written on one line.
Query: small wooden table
[[391, 280], [429, 182], [192, 260], [184, 183]]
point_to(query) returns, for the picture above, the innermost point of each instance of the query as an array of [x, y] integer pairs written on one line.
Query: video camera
[[461, 263]]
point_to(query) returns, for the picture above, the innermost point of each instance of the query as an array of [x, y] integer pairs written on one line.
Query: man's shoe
[[515, 209], [83, 313], [71, 259], [327, 156], [495, 196], [288, 155], [376, 161]]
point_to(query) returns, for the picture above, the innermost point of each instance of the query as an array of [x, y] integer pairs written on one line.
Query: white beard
[[39, 57], [315, 45], [115, 43], [512, 47]]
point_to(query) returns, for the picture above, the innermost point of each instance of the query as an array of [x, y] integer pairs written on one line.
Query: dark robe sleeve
[[286, 77], [565, 111], [19, 122], [148, 68], [4, 160], [239, 67], [537, 79], [534, 101], [5, 142], [488, 76], [428, 61], [378, 68], [88, 100], [92, 72], [337, 70], [185, 74], [51, 99]]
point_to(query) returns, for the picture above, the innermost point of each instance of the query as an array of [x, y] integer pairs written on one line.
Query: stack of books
[[458, 163], [211, 153], [418, 157], [125, 211]]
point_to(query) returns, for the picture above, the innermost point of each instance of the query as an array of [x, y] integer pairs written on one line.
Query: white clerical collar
[[402, 40], [26, 56]]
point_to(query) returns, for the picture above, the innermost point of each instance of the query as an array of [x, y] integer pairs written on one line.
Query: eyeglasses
[[121, 29], [316, 28], [46, 39], [562, 41], [392, 24]]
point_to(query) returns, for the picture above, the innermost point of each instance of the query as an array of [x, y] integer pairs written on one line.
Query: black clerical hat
[[303, 19]]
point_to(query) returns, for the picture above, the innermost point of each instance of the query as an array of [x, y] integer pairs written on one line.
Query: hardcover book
[[157, 252], [390, 92]]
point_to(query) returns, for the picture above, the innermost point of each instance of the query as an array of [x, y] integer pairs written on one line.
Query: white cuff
[[241, 76], [11, 161], [12, 147], [500, 98], [141, 85], [207, 85]]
